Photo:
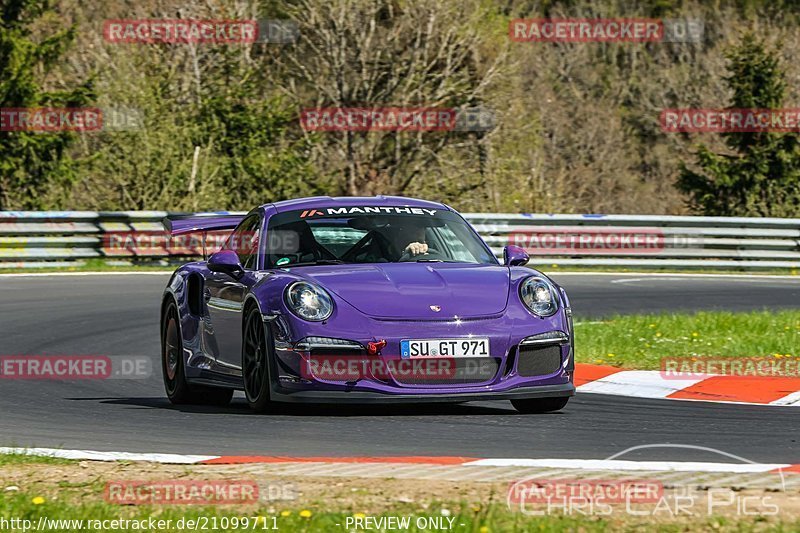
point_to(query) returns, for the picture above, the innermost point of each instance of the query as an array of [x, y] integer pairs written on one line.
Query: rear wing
[[202, 222]]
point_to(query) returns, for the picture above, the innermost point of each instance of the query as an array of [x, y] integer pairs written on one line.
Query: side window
[[244, 241], [453, 245]]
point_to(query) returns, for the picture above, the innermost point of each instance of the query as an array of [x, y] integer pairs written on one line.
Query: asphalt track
[[118, 315]]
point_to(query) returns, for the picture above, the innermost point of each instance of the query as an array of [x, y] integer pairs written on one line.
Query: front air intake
[[536, 360]]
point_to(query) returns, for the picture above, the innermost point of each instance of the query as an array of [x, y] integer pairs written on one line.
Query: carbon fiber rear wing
[[201, 222]]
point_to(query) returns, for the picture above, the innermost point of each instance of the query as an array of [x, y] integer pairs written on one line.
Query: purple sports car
[[362, 300]]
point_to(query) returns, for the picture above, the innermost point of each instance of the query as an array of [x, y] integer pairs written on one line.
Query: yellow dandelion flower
[[695, 334], [611, 355], [359, 515], [305, 513], [286, 513], [37, 500], [658, 333], [484, 529]]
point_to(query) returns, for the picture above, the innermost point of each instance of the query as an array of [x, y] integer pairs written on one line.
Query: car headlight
[[539, 295], [309, 301]]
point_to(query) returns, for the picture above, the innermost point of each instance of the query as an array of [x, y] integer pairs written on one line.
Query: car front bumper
[[370, 397]]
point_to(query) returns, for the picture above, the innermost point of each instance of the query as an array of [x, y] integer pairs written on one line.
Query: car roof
[[315, 202]]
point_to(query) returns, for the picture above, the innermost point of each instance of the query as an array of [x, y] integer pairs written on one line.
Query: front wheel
[[540, 405], [178, 390], [256, 352]]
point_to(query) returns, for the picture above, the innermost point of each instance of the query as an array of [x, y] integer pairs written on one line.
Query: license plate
[[427, 348]]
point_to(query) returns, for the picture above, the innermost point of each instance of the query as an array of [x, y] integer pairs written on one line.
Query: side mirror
[[227, 262], [514, 256]]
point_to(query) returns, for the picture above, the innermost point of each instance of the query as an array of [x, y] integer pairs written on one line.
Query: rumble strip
[[781, 391]]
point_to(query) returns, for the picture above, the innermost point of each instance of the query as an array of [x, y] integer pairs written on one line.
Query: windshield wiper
[[317, 262]]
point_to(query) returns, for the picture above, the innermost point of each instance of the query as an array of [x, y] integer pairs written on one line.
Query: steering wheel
[[432, 253]]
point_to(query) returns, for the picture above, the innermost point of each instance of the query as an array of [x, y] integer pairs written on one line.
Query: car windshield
[[372, 235]]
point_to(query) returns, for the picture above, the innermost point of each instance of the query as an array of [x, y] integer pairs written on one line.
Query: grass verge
[[24, 459], [58, 515], [641, 341], [61, 495]]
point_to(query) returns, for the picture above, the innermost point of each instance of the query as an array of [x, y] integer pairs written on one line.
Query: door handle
[[206, 295]]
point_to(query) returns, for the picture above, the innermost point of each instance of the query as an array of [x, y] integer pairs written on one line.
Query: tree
[[760, 176], [215, 133], [384, 53], [33, 164]]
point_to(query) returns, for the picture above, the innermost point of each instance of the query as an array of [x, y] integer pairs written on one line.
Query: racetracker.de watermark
[[83, 119], [619, 30], [634, 497], [397, 119], [662, 494], [196, 31], [730, 120], [554, 240], [563, 491], [699, 367], [182, 492], [116, 243], [74, 367], [355, 367], [196, 492]]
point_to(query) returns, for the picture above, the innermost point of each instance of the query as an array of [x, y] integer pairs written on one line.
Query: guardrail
[[34, 239]]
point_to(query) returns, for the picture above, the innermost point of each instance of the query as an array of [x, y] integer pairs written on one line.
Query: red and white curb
[[576, 464], [599, 379]]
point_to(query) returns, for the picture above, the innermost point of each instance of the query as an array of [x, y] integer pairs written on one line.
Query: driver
[[417, 246], [411, 232], [398, 239]]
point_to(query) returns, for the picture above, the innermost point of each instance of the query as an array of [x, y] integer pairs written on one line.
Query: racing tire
[[257, 352], [540, 405], [178, 390]]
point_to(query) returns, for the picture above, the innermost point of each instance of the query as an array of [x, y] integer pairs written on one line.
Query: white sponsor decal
[[378, 210], [367, 210]]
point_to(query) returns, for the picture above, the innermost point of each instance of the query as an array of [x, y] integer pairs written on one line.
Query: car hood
[[416, 290]]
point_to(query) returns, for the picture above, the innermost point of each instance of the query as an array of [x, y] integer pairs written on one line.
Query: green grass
[[318, 518], [641, 341], [24, 459]]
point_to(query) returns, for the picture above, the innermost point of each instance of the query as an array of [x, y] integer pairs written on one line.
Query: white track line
[[89, 455], [791, 399], [555, 273], [655, 466], [71, 274], [306, 469], [638, 383], [748, 279]]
